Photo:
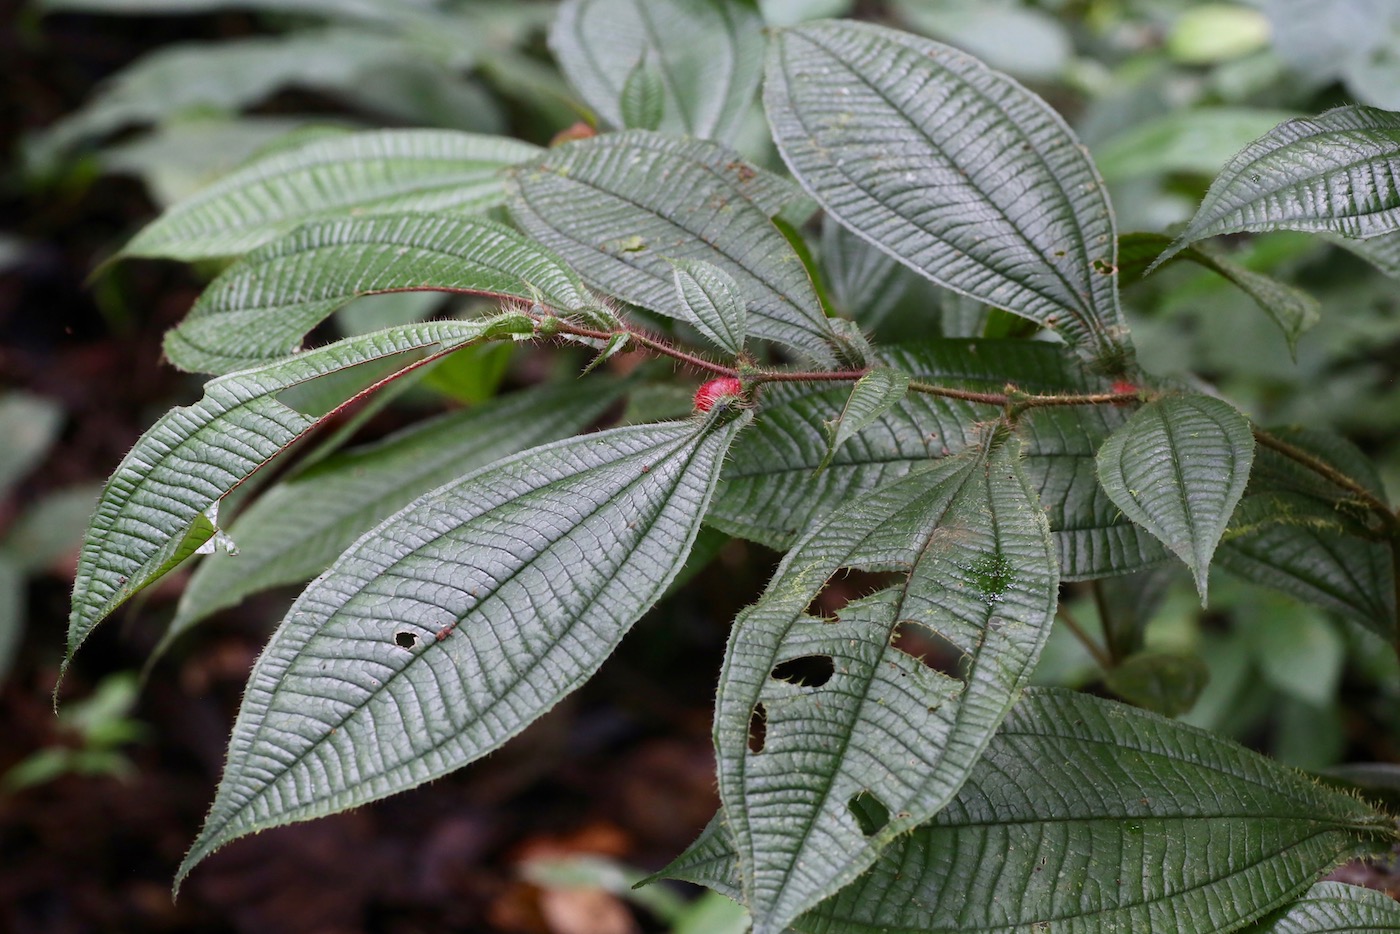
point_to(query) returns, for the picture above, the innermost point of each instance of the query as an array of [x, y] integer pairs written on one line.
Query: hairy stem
[[1011, 399], [1332, 475], [1100, 656]]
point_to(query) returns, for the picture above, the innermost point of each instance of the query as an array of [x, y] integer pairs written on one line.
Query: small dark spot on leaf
[[808, 671], [744, 171], [405, 640]]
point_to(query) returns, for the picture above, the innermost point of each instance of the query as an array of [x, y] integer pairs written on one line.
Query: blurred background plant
[[116, 108]]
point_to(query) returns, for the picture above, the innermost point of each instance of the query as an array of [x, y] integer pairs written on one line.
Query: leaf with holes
[[260, 308], [1292, 309], [296, 529], [1178, 468], [621, 207], [1296, 532], [1334, 172], [862, 731], [1335, 908], [706, 57], [709, 299], [953, 169], [461, 619], [160, 504], [873, 395], [773, 491], [1087, 815], [374, 172]]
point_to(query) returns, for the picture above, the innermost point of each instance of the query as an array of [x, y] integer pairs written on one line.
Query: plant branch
[[1331, 475], [1110, 635], [642, 339], [1100, 656]]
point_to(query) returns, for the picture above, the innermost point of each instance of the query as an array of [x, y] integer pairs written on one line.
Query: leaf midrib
[[356, 708]]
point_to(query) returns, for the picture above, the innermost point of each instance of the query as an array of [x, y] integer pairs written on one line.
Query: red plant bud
[[710, 393], [579, 130]]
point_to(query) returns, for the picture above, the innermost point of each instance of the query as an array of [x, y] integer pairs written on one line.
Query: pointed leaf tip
[[461, 619], [1178, 468], [152, 513], [809, 808], [889, 132], [710, 299], [873, 395]]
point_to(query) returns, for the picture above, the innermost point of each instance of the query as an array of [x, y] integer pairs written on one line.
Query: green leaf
[[460, 620], [29, 425], [1296, 649], [1167, 683], [643, 100], [705, 57], [1198, 141], [621, 207], [864, 282], [50, 530], [296, 529], [1295, 532], [1087, 816], [227, 76], [373, 172], [710, 299], [260, 308], [1333, 172], [367, 9], [982, 586], [1334, 908], [773, 491], [1032, 44], [873, 395], [1217, 32], [1292, 309], [955, 170], [1178, 468], [175, 160], [159, 504]]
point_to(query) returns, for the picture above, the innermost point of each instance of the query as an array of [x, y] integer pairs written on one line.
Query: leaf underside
[[1335, 908], [619, 207], [294, 530], [152, 512], [773, 490], [260, 308], [1295, 532], [953, 169], [462, 618], [1334, 172], [982, 581], [1178, 468], [1087, 815], [707, 56]]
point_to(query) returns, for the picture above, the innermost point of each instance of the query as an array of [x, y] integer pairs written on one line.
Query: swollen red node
[[710, 393]]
